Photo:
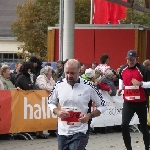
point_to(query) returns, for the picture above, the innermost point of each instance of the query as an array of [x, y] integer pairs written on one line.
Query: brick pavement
[[110, 141]]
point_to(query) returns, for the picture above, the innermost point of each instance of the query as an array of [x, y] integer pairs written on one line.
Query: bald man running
[[73, 94]]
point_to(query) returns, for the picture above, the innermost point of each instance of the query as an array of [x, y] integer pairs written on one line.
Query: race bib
[[132, 92], [73, 120]]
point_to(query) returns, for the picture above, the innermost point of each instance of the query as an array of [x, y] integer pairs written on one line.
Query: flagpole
[[91, 15], [69, 21], [61, 22]]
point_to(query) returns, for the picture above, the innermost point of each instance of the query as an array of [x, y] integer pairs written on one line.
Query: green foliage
[[34, 17], [31, 26], [82, 11], [136, 17]]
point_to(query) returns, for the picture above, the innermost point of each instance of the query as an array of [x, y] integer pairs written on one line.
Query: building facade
[[8, 43]]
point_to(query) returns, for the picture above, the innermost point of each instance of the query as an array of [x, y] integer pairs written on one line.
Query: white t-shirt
[[77, 96], [102, 67]]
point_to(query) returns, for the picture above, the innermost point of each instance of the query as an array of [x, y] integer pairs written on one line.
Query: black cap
[[132, 54], [33, 59], [48, 64]]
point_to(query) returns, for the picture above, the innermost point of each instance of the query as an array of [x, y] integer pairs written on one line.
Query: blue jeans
[[76, 141]]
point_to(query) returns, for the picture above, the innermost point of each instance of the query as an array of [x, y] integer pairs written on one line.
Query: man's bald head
[[72, 69], [73, 63]]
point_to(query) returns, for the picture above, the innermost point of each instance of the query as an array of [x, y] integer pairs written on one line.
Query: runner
[[73, 94], [134, 97]]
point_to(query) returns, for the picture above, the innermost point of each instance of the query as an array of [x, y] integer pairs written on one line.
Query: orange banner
[[25, 111]]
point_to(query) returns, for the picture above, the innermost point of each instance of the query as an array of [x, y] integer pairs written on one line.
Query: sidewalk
[[111, 141]]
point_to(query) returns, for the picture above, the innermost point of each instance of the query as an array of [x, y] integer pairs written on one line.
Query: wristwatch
[[141, 83], [92, 115]]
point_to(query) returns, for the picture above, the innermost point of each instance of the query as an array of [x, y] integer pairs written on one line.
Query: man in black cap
[[134, 97], [37, 64]]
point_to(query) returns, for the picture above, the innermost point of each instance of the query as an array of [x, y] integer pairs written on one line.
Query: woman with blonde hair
[[44, 82], [5, 78]]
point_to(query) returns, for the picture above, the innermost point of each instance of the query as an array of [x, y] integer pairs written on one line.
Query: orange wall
[[90, 44], [148, 45], [56, 45]]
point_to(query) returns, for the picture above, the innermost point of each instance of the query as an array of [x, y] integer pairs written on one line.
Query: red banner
[[105, 12], [5, 111]]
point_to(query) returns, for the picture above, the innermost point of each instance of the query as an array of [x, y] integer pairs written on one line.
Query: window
[[5, 56], [15, 56], [9, 57]]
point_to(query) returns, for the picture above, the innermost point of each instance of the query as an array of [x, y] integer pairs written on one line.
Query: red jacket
[[103, 86], [138, 72]]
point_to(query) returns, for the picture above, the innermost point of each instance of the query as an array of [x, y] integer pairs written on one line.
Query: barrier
[[113, 115], [27, 111]]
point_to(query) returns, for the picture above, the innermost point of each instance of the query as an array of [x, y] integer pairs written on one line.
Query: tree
[[82, 11], [31, 25], [136, 17], [34, 17]]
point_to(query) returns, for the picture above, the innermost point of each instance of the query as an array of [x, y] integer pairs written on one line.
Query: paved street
[[110, 141]]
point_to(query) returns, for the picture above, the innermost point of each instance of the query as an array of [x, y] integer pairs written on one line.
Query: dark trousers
[[76, 141], [129, 108]]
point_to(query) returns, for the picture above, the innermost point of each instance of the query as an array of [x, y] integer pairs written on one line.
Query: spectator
[[101, 85], [108, 79], [59, 71], [104, 87], [146, 63], [37, 64], [25, 78], [97, 77], [48, 64], [5, 63], [82, 68], [63, 74], [5, 84], [15, 72], [118, 70], [89, 74], [94, 65], [1, 83], [92, 75], [53, 72], [115, 78], [45, 81], [34, 60], [5, 78], [103, 66]]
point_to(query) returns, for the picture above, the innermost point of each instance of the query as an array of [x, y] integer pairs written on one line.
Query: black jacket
[[23, 81], [13, 77]]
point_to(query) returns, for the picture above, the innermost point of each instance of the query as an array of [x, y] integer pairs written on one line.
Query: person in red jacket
[[134, 97]]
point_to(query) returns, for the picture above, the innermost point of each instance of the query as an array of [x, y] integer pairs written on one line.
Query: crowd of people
[[31, 75]]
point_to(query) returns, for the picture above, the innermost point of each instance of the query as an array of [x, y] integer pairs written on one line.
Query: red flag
[[105, 12]]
